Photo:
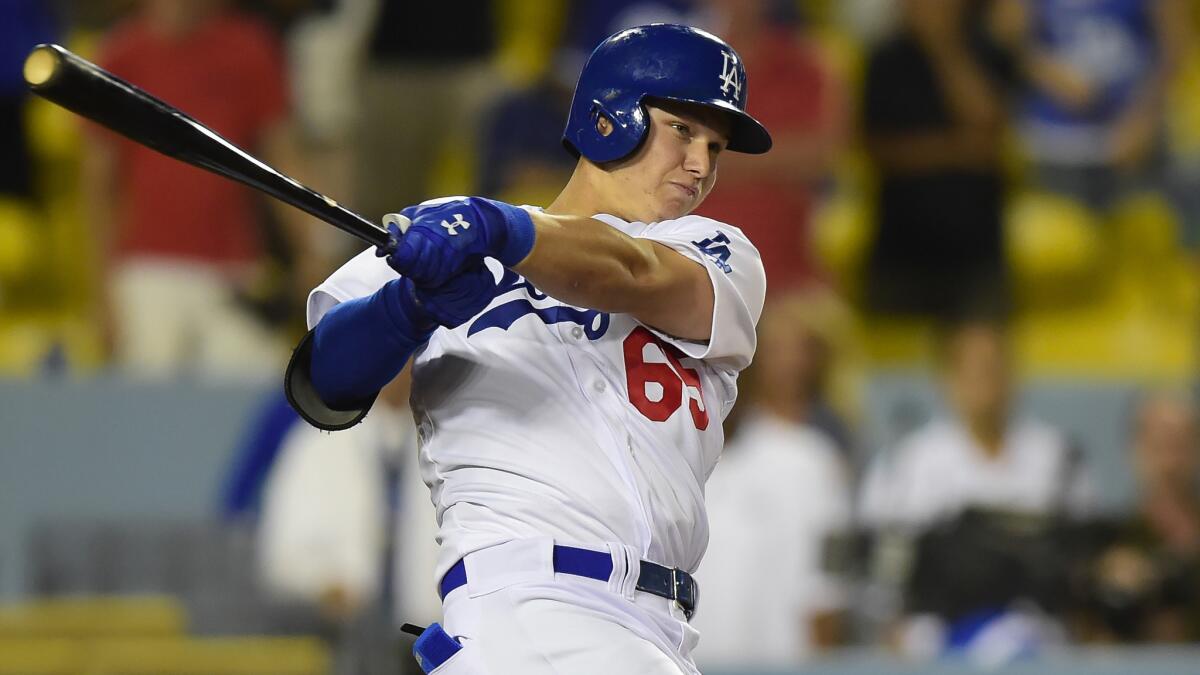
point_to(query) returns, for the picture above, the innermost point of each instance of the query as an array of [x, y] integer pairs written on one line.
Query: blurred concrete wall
[[108, 448]]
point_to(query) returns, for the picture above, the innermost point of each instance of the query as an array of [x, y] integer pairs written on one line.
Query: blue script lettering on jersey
[[715, 247], [594, 323]]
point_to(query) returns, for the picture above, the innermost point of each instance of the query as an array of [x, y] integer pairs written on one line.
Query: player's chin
[[676, 206]]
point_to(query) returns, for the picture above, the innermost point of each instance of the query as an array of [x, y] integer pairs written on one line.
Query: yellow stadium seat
[[529, 34], [130, 616], [842, 230], [1055, 249], [41, 656], [212, 656], [896, 341], [1183, 107], [1145, 229], [1139, 321], [54, 132], [18, 238]]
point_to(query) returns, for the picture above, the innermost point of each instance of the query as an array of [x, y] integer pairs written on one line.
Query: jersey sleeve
[[361, 276], [738, 280]]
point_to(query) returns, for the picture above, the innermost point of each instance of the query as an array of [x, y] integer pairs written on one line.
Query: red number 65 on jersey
[[673, 381]]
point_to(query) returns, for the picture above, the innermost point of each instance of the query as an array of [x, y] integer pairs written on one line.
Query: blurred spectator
[[347, 527], [23, 24], [283, 14], [982, 455], [810, 378], [423, 90], [1183, 142], [589, 22], [777, 502], [934, 122], [1146, 584], [932, 496], [1093, 119], [772, 197], [325, 42], [180, 247], [523, 157]]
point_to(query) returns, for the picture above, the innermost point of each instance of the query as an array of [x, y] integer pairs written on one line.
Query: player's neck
[[584, 195]]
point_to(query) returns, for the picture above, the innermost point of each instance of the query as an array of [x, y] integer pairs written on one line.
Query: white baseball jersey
[[540, 419]]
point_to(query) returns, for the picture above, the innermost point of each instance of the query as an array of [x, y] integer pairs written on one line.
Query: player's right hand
[[445, 237], [460, 298]]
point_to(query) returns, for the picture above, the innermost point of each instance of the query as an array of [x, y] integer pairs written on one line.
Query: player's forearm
[[587, 263], [361, 345]]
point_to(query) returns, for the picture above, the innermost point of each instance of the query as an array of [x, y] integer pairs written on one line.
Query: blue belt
[[665, 582]]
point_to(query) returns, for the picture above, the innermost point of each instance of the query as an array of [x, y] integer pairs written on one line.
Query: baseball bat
[[59, 76]]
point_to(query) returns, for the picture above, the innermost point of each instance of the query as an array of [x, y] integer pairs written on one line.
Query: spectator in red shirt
[[797, 96], [178, 243]]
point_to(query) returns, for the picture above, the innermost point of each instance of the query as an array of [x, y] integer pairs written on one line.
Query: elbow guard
[[359, 346], [303, 396]]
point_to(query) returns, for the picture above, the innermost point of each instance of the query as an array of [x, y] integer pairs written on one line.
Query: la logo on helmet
[[729, 75]]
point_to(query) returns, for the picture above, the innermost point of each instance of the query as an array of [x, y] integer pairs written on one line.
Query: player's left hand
[[459, 299], [445, 237]]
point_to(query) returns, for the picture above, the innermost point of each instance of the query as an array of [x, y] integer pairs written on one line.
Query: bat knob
[[400, 220]]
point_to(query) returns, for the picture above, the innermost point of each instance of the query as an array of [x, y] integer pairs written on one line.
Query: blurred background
[[968, 441]]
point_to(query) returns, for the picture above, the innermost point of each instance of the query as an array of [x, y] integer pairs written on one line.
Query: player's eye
[[682, 128]]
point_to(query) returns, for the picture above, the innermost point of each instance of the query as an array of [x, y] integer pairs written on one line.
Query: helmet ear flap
[[613, 133], [600, 113]]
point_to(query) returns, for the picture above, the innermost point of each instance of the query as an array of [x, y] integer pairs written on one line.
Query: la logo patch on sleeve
[[717, 248]]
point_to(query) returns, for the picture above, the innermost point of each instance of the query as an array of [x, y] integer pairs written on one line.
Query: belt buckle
[[685, 595]]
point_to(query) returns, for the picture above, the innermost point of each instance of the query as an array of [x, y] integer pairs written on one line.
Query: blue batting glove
[[446, 237]]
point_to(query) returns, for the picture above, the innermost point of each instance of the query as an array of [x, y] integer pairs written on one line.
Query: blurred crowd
[[985, 191]]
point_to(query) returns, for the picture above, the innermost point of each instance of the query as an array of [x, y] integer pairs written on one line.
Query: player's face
[[676, 167]]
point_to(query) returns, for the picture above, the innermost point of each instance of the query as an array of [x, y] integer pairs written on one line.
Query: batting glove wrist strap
[[516, 227]]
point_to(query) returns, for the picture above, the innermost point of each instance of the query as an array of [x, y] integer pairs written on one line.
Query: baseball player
[[572, 366]]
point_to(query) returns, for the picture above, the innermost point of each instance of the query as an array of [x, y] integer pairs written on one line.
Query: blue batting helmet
[[665, 61]]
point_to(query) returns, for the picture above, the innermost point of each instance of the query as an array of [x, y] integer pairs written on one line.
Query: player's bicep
[[732, 298], [682, 301]]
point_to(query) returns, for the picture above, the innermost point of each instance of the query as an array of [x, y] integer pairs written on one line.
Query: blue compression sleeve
[[360, 345]]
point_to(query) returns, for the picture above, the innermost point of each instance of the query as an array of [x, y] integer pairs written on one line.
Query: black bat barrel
[[78, 85]]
